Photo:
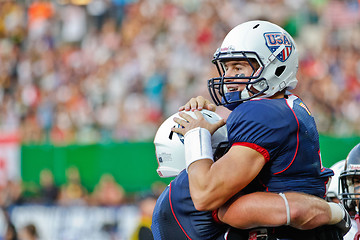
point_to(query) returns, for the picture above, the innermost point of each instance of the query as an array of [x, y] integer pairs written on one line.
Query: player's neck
[[278, 95]]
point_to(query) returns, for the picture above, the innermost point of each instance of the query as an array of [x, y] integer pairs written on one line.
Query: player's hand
[[189, 123], [198, 103]]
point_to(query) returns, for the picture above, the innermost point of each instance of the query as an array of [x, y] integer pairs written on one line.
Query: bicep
[[224, 178], [239, 167]]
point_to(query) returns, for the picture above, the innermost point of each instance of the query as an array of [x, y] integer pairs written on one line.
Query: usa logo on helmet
[[276, 39]]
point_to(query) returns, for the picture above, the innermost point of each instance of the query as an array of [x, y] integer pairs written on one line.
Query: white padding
[[337, 213], [197, 145]]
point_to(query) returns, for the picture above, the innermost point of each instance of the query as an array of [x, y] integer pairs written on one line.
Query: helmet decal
[[164, 157], [354, 167], [274, 40], [181, 137]]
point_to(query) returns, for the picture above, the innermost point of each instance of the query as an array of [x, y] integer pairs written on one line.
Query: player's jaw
[[235, 86]]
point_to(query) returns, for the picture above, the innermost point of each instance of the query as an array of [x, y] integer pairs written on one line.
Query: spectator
[[73, 192], [108, 192], [143, 230], [29, 232], [11, 194], [49, 192]]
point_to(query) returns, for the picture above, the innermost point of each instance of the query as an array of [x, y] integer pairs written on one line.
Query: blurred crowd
[[72, 192], [112, 70], [107, 193]]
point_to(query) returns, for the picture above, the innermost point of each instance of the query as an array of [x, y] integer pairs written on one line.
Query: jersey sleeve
[[257, 125]]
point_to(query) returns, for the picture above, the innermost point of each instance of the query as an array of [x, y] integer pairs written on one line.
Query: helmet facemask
[[349, 184], [254, 85]]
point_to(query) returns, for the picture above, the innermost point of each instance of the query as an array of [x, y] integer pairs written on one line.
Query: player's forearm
[[248, 211], [308, 211], [254, 210]]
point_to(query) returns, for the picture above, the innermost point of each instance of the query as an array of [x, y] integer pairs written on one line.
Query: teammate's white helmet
[[260, 43], [169, 146], [333, 189]]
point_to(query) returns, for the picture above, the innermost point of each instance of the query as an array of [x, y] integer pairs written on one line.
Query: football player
[[274, 143], [175, 216], [349, 190]]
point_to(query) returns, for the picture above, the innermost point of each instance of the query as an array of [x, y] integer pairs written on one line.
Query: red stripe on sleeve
[[256, 147]]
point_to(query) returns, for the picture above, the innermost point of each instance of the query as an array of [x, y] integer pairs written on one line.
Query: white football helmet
[[260, 43], [169, 146]]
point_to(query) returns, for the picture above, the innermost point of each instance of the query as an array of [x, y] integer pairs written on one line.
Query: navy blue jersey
[[175, 215], [176, 218], [285, 133]]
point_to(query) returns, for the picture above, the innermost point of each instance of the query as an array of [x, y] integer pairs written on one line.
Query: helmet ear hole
[[280, 70]]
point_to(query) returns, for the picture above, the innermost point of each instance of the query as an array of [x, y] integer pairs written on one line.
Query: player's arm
[[269, 209], [212, 184], [299, 210]]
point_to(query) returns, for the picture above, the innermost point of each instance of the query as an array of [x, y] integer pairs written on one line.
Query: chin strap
[[273, 55]]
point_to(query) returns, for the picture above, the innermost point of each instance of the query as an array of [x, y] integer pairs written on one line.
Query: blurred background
[[84, 85]]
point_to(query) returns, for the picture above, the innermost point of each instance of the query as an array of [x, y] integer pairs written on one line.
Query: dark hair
[[32, 230]]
